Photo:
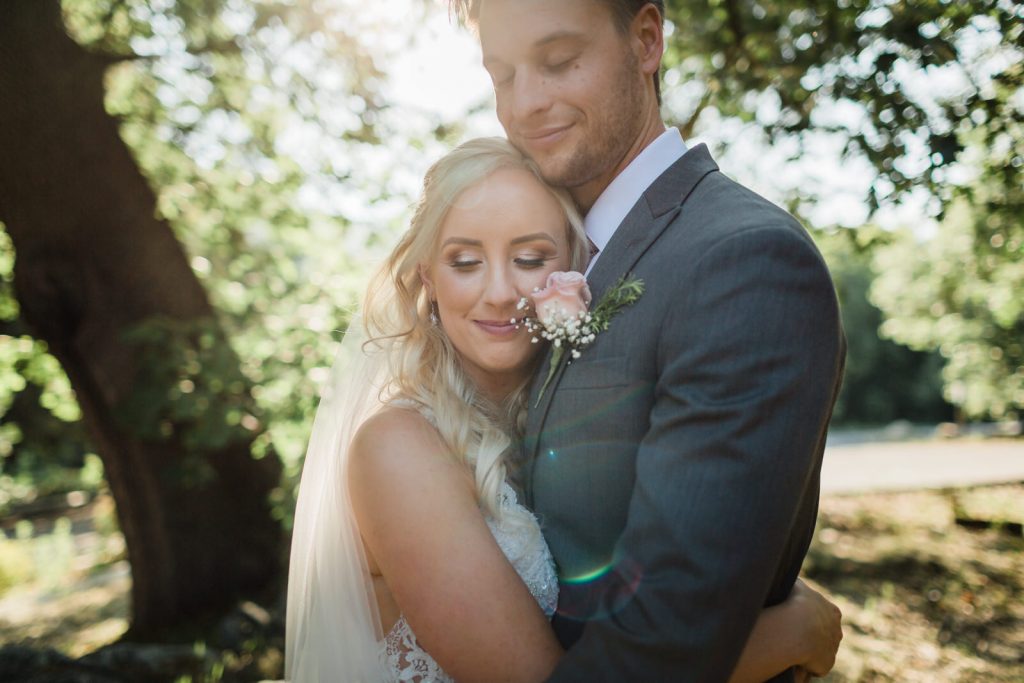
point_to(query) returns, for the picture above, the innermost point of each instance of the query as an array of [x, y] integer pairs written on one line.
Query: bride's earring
[[434, 320]]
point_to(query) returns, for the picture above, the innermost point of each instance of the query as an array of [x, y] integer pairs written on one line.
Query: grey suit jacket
[[675, 465]]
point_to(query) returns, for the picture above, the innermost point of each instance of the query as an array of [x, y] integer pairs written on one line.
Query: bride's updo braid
[[423, 364]]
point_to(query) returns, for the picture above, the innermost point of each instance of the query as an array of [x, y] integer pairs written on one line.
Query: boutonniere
[[562, 314]]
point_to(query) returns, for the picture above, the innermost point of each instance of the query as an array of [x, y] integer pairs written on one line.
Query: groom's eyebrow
[[533, 236], [490, 60], [557, 36]]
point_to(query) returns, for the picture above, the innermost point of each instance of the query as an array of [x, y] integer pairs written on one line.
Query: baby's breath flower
[[577, 331]]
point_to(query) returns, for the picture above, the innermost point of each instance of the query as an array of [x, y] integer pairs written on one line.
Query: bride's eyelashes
[[528, 262], [533, 261]]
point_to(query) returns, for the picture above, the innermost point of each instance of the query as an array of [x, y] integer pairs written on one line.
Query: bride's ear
[[428, 284]]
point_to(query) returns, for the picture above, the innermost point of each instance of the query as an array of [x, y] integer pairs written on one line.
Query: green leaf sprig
[[578, 332]]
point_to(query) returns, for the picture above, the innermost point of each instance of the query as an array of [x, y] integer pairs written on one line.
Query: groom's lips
[[544, 137]]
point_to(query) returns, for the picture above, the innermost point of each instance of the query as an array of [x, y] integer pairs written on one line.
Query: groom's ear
[[648, 38]]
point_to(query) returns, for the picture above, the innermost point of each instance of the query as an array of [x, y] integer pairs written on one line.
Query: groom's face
[[570, 87]]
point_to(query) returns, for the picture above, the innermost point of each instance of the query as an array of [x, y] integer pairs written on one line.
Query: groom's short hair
[[622, 11]]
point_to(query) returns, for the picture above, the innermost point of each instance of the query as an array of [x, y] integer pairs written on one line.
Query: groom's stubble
[[610, 136]]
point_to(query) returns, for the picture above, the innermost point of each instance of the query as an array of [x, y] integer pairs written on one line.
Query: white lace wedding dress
[[402, 657]]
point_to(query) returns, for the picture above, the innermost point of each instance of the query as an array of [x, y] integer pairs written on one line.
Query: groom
[[675, 465]]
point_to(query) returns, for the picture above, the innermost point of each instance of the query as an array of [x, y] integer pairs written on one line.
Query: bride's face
[[499, 241]]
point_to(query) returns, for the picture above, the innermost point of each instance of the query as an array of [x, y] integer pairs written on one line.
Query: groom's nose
[[529, 93]]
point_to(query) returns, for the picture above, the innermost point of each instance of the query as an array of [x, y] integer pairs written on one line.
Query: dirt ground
[[924, 599]]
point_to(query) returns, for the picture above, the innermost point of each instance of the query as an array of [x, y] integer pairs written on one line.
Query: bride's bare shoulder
[[396, 422], [400, 444]]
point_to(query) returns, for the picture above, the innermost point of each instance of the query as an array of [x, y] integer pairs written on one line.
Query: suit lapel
[[648, 218]]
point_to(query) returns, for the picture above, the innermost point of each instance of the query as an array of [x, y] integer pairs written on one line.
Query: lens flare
[[600, 593]]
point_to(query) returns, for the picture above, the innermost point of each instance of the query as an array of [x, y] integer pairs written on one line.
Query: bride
[[412, 559]]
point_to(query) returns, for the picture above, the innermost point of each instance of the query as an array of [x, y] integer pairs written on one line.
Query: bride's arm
[[418, 515], [804, 631]]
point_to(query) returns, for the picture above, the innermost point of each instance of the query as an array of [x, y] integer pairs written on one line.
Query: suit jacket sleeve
[[749, 357]]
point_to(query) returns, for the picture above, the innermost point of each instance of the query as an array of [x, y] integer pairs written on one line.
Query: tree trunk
[[94, 261]]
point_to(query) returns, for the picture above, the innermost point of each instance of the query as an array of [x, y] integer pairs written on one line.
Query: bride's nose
[[500, 289]]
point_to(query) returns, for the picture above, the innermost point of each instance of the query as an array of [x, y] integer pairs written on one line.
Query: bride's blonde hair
[[423, 365]]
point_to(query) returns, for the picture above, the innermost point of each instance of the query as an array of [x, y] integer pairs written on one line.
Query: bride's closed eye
[[532, 262]]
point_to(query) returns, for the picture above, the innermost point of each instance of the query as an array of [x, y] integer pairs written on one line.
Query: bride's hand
[[823, 623]]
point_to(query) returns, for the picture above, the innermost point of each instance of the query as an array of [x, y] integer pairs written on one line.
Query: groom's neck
[[585, 195]]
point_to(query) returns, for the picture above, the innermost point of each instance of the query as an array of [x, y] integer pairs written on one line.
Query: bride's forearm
[[777, 643]]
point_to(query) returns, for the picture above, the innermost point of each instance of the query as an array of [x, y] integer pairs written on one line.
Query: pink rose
[[566, 295]]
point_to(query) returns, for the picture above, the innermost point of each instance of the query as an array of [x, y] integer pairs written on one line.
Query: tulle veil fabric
[[333, 628]]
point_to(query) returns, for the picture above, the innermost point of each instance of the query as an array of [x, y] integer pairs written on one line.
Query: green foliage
[[260, 127], [42, 443], [883, 380], [960, 292], [625, 292], [53, 554], [931, 94], [188, 385], [863, 69], [16, 566], [45, 559], [205, 118]]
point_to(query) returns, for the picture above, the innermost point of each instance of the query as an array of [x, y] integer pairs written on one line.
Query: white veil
[[333, 626]]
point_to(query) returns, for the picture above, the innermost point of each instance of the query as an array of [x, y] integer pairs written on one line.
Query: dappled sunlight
[[194, 192], [923, 598]]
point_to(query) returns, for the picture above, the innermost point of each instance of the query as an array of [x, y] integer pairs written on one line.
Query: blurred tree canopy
[[930, 93], [244, 132], [883, 379], [236, 112], [962, 292]]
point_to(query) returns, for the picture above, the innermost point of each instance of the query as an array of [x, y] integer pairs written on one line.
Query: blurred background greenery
[[276, 160]]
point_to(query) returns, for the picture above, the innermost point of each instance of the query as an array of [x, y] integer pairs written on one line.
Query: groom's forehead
[[517, 21], [473, 10]]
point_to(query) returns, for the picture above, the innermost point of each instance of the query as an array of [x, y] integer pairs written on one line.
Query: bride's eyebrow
[[533, 236], [465, 241]]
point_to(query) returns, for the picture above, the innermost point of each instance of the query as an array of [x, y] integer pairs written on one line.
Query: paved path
[[908, 465]]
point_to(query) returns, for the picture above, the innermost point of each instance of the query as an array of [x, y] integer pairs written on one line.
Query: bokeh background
[[192, 193]]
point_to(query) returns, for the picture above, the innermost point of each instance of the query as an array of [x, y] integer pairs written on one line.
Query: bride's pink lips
[[499, 328], [545, 137]]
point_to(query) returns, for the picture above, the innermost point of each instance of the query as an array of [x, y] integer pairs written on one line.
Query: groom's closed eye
[[560, 62], [560, 49]]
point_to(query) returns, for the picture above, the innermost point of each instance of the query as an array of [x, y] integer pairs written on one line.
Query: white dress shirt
[[625, 190]]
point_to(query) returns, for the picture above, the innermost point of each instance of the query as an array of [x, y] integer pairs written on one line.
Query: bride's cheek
[[539, 278]]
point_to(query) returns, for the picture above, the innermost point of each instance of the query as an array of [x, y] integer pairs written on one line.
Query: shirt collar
[[625, 190]]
